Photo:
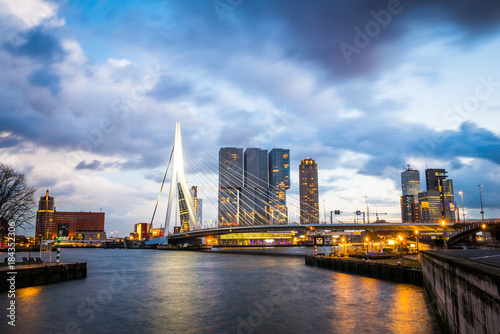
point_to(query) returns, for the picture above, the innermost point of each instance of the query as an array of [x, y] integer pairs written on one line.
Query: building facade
[[309, 194], [410, 182], [279, 183], [430, 206], [50, 222], [256, 187], [410, 187], [45, 218], [230, 185], [436, 180]]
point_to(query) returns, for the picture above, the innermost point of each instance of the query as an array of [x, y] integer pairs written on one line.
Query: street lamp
[[481, 198], [443, 223], [416, 237], [463, 208], [401, 249]]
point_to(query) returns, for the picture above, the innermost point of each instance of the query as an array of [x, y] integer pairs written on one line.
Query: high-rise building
[[279, 182], [68, 224], [430, 206], [448, 199], [256, 186], [410, 182], [436, 180], [230, 185], [198, 202], [410, 209], [410, 186], [45, 217], [309, 194], [183, 210], [433, 178]]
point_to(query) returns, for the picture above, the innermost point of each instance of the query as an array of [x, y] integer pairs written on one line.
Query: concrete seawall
[[464, 293], [400, 274], [42, 274]]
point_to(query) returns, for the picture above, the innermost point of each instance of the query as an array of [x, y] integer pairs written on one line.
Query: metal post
[[58, 246], [463, 208], [481, 198]]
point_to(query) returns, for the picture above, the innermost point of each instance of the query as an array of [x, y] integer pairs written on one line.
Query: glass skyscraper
[[309, 194], [410, 182], [279, 182], [410, 186], [252, 186], [256, 185], [230, 185]]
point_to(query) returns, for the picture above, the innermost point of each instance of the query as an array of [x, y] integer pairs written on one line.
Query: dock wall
[[400, 274], [464, 294], [43, 274]]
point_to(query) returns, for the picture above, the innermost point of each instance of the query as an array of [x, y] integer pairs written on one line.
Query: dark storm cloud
[[39, 45], [391, 146], [94, 165], [45, 77], [314, 30], [7, 142], [46, 182]]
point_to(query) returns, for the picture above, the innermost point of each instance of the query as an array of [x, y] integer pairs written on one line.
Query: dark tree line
[[17, 200]]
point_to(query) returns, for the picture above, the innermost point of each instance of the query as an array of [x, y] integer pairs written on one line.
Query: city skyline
[[88, 111]]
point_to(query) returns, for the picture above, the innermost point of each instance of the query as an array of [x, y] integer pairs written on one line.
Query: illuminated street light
[[444, 233], [481, 198], [416, 238]]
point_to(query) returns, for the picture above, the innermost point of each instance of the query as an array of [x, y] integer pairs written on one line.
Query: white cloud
[[35, 12], [118, 62]]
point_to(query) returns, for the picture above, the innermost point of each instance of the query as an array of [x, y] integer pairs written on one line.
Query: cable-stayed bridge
[[196, 192]]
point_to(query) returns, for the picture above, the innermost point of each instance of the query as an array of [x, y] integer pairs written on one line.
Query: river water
[[151, 291]]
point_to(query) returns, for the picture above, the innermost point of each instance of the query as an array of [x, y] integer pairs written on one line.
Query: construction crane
[[382, 213]]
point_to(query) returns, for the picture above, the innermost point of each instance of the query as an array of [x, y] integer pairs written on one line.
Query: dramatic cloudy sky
[[90, 93]]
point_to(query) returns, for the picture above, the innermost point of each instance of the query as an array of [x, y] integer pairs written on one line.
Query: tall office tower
[[45, 217], [410, 182], [448, 199], [410, 209], [436, 180], [198, 202], [279, 182], [256, 186], [230, 185], [433, 178], [430, 206], [183, 210], [410, 186], [309, 194]]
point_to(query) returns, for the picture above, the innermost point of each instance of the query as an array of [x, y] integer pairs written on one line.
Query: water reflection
[[160, 292]]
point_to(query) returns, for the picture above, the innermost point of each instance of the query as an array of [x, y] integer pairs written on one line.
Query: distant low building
[[70, 225]]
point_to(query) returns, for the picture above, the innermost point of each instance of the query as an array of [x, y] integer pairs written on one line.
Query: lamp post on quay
[[481, 199], [463, 208]]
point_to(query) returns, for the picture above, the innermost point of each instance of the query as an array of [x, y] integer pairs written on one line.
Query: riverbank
[[27, 275], [384, 271], [464, 289]]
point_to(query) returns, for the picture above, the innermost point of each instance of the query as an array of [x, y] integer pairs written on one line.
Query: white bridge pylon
[[178, 179]]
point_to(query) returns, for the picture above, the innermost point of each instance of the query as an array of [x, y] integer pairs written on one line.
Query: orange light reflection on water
[[28, 293]]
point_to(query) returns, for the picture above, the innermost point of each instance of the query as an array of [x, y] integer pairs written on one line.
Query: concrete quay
[[389, 272], [40, 274], [464, 289]]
